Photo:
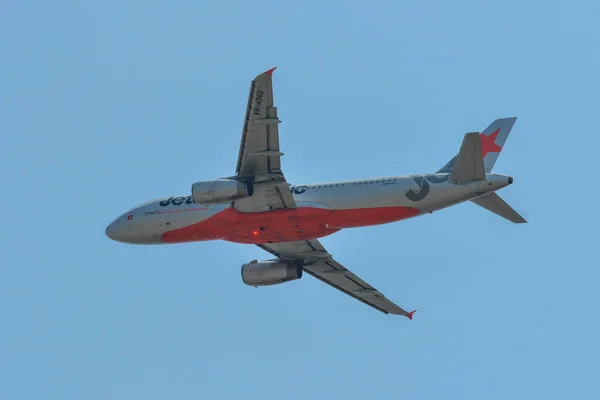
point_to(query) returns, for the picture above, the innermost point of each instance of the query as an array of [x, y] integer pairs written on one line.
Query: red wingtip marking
[[410, 314], [270, 72]]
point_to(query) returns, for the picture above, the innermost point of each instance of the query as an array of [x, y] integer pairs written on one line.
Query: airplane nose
[[116, 231]]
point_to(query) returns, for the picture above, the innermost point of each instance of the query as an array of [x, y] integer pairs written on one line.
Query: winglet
[[410, 314], [270, 72]]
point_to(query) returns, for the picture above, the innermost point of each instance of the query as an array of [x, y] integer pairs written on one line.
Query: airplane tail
[[492, 141], [477, 156], [494, 203]]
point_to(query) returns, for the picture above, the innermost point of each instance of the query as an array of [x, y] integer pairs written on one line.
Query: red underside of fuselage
[[284, 225]]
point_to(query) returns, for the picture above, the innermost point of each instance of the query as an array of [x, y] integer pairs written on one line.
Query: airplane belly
[[198, 223], [282, 225], [319, 213], [352, 218]]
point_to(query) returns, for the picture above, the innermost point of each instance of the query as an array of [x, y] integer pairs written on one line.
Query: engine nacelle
[[220, 190], [265, 273]]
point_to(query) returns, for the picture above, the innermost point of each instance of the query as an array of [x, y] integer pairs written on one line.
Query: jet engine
[[220, 190], [265, 273]]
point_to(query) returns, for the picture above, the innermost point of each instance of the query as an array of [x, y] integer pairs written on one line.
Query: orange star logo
[[487, 143]]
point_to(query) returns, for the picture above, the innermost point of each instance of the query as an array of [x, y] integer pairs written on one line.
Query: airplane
[[258, 206]]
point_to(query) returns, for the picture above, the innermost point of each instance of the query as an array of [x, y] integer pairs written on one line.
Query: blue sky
[[107, 105]]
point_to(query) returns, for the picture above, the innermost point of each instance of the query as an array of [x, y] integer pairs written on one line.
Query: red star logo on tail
[[487, 143]]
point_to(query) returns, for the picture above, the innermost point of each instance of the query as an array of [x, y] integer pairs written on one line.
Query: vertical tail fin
[[492, 141], [469, 163]]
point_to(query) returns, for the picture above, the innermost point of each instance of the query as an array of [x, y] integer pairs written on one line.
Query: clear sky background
[[105, 105]]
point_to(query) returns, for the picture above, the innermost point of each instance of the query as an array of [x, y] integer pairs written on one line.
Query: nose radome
[[115, 232], [111, 231]]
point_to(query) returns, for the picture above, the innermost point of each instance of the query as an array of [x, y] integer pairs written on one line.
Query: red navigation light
[[255, 233]]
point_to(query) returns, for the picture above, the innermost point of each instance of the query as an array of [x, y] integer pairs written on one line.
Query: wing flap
[[334, 274], [319, 263], [259, 159], [260, 134]]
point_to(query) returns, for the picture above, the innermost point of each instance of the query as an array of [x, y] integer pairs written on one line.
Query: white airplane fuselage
[[257, 205], [322, 209]]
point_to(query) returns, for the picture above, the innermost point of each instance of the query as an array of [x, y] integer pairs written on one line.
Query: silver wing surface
[[259, 159], [320, 264]]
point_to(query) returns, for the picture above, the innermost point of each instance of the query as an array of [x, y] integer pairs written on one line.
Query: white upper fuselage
[[367, 202]]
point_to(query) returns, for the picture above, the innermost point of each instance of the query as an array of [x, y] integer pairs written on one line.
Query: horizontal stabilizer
[[469, 162], [494, 203]]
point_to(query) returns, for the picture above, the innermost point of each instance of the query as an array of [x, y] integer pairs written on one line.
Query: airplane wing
[[259, 159], [320, 264]]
